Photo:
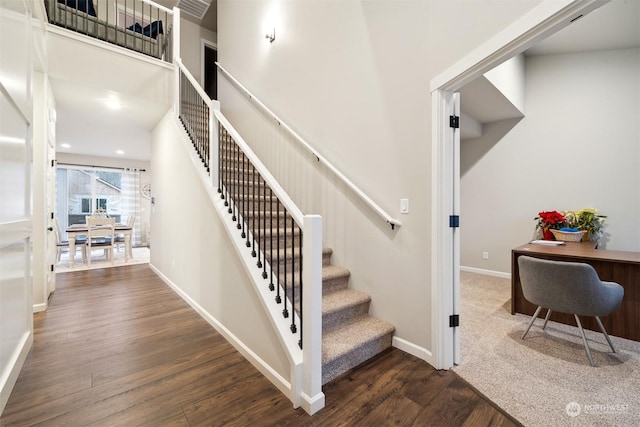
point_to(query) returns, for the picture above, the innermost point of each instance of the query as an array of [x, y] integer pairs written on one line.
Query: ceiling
[[616, 25]]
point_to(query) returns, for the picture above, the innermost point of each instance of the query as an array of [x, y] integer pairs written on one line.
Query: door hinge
[[454, 320], [51, 267], [454, 221], [454, 122]]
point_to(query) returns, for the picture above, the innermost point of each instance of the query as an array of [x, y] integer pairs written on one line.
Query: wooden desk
[[81, 230], [612, 266]]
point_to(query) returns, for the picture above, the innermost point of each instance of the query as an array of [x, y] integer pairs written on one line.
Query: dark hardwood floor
[[117, 347]]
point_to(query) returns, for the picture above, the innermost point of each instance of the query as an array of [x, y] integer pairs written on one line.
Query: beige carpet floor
[[545, 379], [98, 260]]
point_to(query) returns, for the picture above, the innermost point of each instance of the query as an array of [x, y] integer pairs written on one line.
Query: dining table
[[75, 230]]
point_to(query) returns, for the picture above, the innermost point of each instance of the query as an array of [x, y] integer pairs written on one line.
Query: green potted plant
[[588, 219]]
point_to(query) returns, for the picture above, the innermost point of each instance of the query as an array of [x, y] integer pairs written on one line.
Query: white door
[[455, 229], [50, 209], [445, 228]]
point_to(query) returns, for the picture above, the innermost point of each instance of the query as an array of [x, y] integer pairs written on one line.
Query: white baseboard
[[486, 272], [413, 349], [276, 379], [37, 308], [312, 404], [14, 366]]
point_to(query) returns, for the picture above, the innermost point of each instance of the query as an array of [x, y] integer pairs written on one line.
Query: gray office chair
[[568, 287]]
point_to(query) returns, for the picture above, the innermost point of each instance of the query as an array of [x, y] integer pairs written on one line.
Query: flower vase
[[547, 234], [586, 236]]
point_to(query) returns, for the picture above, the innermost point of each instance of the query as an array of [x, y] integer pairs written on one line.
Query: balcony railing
[[139, 25]]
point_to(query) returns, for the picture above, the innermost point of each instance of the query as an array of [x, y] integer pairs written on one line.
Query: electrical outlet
[[485, 255]]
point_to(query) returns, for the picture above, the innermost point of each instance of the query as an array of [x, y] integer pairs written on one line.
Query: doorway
[[209, 69], [540, 23]]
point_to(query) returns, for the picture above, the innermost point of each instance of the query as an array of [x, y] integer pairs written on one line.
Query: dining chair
[[568, 287], [100, 236], [119, 239], [61, 244]]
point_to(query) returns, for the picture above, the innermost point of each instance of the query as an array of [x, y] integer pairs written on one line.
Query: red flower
[[550, 219]]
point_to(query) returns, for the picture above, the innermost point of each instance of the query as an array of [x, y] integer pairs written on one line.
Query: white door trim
[[542, 21], [203, 43]]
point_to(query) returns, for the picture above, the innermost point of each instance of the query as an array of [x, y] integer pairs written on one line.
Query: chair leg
[[584, 340], [546, 319], [606, 335], [533, 319]]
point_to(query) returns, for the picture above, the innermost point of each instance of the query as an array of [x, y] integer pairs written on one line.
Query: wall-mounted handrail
[[366, 199]]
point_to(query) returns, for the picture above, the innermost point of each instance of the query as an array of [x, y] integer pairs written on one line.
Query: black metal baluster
[[234, 193], [229, 174], [244, 195], [260, 232], [293, 276], [226, 171], [271, 285], [254, 190], [285, 312], [218, 142], [264, 232], [278, 300], [301, 288]]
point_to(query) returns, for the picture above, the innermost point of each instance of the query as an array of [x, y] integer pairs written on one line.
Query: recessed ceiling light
[[119, 152], [65, 145]]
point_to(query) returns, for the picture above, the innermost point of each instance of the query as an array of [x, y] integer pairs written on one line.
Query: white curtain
[[131, 204]]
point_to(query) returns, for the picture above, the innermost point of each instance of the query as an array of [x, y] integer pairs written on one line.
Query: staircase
[[350, 335]]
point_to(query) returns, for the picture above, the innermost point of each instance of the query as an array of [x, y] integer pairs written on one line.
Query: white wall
[[578, 146], [509, 79], [353, 79], [16, 325], [190, 247], [191, 47]]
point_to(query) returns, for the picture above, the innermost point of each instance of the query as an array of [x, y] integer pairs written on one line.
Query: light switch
[[404, 206]]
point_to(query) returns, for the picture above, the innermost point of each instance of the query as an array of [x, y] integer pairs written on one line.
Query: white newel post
[[176, 33], [312, 396]]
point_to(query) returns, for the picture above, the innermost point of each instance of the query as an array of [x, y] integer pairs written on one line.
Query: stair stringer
[[292, 388]]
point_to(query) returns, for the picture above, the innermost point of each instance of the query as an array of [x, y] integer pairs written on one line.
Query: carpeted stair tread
[[344, 298], [343, 306], [346, 347], [333, 278], [288, 253]]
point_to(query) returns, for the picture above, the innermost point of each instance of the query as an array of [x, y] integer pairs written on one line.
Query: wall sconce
[[271, 36]]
